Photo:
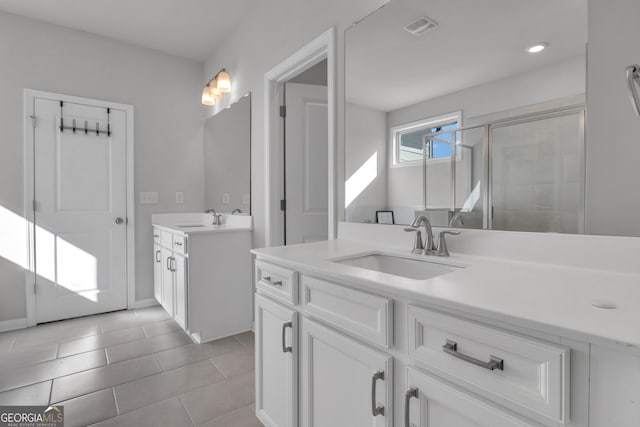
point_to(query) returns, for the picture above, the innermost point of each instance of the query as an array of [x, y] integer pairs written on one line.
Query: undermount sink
[[410, 268], [192, 226]]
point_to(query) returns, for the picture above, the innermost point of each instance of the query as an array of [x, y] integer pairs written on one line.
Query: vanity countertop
[[550, 298], [200, 229]]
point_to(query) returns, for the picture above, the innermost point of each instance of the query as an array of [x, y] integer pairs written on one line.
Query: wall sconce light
[[219, 84]]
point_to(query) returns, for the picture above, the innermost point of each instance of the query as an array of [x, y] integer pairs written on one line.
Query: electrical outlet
[[226, 198], [246, 199], [179, 197], [148, 197]]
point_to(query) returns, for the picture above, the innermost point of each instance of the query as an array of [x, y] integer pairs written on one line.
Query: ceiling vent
[[421, 26]]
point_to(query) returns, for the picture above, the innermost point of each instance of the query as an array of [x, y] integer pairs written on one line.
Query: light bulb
[[214, 92], [223, 81], [538, 47], [206, 97]]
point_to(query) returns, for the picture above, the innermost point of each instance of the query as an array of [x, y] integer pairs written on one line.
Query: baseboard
[[12, 324], [144, 303]]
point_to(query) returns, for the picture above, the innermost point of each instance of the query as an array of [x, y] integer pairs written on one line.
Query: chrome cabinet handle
[[285, 348], [375, 408], [451, 347], [178, 243], [173, 264], [169, 263], [267, 280], [412, 392], [119, 220], [633, 74], [158, 258]]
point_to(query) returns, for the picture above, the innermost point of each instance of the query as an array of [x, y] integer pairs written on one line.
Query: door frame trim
[[321, 48], [29, 104]]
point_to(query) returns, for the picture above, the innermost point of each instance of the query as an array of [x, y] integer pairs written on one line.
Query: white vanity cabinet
[[277, 352], [203, 280], [367, 359]]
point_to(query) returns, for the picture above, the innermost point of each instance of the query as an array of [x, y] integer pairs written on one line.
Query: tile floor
[[130, 368]]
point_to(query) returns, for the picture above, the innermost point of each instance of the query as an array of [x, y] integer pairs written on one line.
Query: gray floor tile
[[243, 417], [238, 362], [161, 328], [192, 353], [168, 413], [89, 409], [85, 382], [120, 352], [246, 338], [28, 355], [6, 341], [142, 392], [36, 394], [139, 318], [100, 341], [216, 400], [27, 375], [53, 333]]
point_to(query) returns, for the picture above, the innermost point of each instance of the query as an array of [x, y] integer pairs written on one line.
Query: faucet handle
[[418, 243], [442, 243]]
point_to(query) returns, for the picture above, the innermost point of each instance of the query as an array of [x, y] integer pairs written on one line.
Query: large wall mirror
[[471, 112], [227, 156]]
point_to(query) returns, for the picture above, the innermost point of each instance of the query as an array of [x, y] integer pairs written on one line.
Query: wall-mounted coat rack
[[85, 129], [633, 80]]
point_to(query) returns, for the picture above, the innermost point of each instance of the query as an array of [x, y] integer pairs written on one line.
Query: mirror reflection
[[474, 120], [227, 156]]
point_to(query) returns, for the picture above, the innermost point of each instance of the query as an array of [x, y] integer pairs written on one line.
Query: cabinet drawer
[[179, 243], [277, 281], [434, 403], [358, 313], [533, 376], [165, 239], [156, 235]]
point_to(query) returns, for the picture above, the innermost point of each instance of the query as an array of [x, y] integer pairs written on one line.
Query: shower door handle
[[633, 80]]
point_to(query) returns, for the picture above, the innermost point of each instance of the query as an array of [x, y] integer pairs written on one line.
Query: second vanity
[[202, 273], [484, 341]]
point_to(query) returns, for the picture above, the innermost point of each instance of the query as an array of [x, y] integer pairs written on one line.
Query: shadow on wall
[[57, 261]]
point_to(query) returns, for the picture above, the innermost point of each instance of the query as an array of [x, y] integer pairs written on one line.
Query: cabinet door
[[167, 281], [433, 403], [276, 364], [157, 273], [344, 382], [181, 289]]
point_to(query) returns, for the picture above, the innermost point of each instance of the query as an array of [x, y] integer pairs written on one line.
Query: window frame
[[429, 122]]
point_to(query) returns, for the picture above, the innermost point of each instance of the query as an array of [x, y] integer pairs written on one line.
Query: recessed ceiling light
[[538, 47]]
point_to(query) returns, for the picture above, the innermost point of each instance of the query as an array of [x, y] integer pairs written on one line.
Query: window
[[408, 139]]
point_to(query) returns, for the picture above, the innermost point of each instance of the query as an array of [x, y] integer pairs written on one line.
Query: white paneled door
[[306, 160], [80, 209]]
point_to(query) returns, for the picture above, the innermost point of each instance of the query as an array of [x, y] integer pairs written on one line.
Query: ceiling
[[477, 41], [188, 28]]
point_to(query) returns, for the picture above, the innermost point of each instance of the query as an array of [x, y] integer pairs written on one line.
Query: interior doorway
[[294, 212], [80, 186], [305, 145]]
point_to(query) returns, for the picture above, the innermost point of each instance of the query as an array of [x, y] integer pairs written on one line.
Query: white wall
[[274, 31], [613, 129], [366, 136], [165, 92]]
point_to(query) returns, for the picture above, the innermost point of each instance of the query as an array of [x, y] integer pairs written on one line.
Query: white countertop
[[199, 223], [549, 298], [199, 229]]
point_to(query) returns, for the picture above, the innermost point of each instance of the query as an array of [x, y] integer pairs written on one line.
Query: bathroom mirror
[[227, 156], [474, 119]]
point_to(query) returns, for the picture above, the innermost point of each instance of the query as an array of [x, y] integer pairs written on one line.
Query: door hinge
[[283, 205], [283, 111], [33, 121]]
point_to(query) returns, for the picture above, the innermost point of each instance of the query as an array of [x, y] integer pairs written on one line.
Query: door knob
[[119, 220]]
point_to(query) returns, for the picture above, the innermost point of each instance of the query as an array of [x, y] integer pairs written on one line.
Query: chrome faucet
[[419, 247], [217, 219], [456, 218], [236, 210]]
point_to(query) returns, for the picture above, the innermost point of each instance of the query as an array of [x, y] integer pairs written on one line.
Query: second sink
[[410, 268]]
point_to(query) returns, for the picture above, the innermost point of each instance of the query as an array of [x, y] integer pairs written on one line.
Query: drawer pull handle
[[375, 408], [412, 392], [178, 243], [267, 280], [169, 263], [285, 348], [158, 258], [451, 347]]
